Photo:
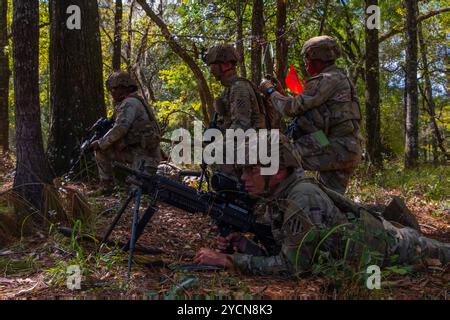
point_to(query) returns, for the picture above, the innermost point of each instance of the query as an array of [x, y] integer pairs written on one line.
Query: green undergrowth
[[431, 182]]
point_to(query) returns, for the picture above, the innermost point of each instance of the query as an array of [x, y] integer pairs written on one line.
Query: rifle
[[97, 130], [203, 174], [204, 166], [230, 215]]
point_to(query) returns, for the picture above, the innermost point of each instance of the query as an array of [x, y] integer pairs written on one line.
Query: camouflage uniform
[[237, 106], [134, 137], [328, 116], [299, 210]]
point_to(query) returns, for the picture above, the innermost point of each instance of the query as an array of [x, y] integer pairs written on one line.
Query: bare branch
[[205, 92], [420, 18]]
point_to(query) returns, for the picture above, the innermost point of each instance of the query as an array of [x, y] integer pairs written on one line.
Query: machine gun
[[98, 130], [229, 215]]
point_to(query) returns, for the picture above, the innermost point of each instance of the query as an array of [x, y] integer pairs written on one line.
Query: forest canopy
[[169, 83]]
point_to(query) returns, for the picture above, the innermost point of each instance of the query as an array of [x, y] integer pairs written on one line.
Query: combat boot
[[397, 211]]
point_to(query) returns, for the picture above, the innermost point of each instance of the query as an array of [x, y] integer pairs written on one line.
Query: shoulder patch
[[294, 225]]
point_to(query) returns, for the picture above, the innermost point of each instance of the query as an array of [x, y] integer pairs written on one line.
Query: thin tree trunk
[[4, 78], [412, 101], [129, 47], [205, 92], [140, 65], [257, 38], [32, 169], [117, 46], [324, 18], [76, 80], [405, 98], [372, 83], [281, 42], [240, 9], [437, 140]]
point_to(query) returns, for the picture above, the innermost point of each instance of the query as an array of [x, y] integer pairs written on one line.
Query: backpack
[[265, 106]]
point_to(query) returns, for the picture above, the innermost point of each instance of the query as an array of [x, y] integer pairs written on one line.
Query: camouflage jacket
[[329, 103], [134, 127], [238, 106], [304, 218]]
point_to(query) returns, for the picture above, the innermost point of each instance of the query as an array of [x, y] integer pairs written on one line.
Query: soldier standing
[[301, 212], [237, 105], [327, 115], [135, 135]]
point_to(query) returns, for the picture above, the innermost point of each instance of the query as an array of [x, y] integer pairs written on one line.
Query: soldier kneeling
[[135, 135], [301, 212]]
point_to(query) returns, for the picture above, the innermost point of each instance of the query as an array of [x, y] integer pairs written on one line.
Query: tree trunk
[[240, 37], [139, 66], [205, 92], [4, 78], [129, 47], [257, 38], [372, 84], [32, 169], [437, 141], [117, 46], [412, 102], [76, 80], [281, 42], [324, 18]]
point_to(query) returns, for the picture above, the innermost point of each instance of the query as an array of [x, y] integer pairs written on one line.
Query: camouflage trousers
[[406, 244], [334, 163], [128, 155]]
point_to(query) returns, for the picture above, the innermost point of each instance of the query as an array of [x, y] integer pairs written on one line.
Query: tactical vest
[[343, 108], [350, 211], [146, 132]]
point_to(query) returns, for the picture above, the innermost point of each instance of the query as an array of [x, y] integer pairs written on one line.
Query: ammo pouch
[[343, 111]]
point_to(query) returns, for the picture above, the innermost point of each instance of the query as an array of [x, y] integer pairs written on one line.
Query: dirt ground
[[36, 267]]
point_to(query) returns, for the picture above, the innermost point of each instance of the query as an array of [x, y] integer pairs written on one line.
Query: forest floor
[[36, 267]]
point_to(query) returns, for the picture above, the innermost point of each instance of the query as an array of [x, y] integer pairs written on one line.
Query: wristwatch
[[270, 90]]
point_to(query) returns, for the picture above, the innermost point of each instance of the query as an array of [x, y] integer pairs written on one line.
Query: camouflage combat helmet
[[221, 53], [324, 48], [120, 78]]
